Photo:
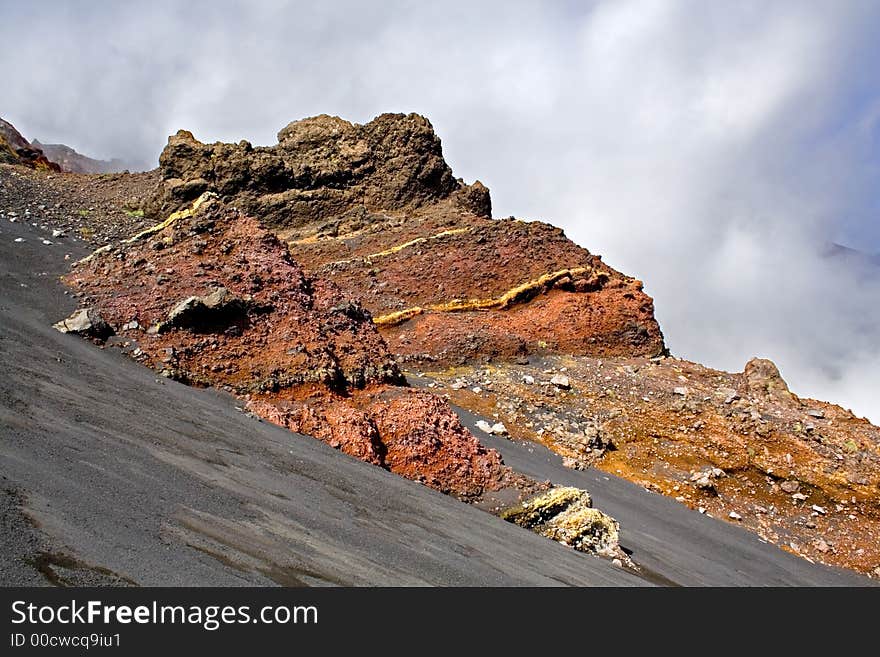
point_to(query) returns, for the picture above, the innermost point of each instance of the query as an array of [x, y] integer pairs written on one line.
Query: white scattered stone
[[733, 515], [680, 390], [816, 413], [57, 233], [790, 486], [47, 242], [800, 497], [819, 509], [484, 426], [498, 429], [529, 380], [458, 385], [704, 483], [561, 381], [476, 390]]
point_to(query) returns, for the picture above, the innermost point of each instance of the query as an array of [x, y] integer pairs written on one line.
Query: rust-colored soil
[[801, 473]]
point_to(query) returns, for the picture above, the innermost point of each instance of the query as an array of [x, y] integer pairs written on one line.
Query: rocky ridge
[[376, 209]]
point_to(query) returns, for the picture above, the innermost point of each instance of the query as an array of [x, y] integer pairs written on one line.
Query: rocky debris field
[[802, 474], [95, 209]]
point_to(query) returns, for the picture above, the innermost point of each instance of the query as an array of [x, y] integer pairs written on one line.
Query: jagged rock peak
[[323, 169]]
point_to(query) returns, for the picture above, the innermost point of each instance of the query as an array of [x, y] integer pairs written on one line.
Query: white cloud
[[710, 149]]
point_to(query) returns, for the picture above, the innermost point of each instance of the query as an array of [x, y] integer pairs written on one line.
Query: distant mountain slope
[[854, 257], [69, 160]]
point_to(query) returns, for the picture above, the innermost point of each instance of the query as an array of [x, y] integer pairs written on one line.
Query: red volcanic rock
[[328, 418], [426, 441], [410, 432], [446, 286], [211, 298], [286, 329], [375, 208]]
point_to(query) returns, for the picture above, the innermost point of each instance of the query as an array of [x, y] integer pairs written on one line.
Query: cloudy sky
[[713, 149]]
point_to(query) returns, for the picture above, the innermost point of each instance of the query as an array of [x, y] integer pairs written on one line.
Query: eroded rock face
[[376, 209], [450, 287], [225, 304], [324, 172]]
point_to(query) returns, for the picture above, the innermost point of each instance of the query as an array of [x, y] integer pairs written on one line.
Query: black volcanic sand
[[671, 543], [114, 475]]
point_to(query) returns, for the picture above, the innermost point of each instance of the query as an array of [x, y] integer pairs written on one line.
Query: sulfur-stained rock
[[565, 514], [585, 529]]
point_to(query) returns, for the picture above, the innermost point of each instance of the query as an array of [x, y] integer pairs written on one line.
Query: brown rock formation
[[324, 172]]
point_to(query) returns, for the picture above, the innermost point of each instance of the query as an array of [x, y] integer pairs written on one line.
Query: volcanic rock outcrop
[[376, 209], [302, 276], [324, 176]]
